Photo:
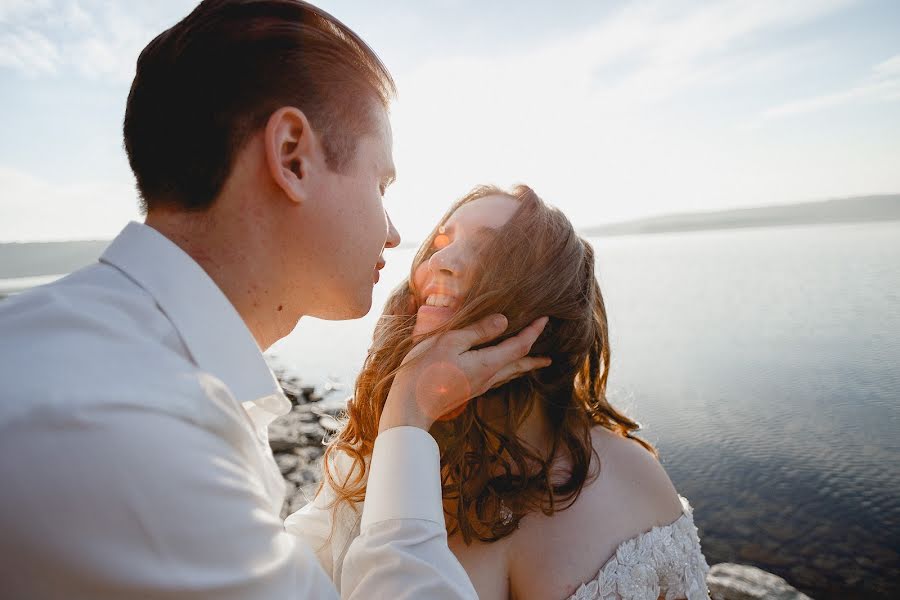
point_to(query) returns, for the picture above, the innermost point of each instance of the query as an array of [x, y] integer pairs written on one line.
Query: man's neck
[[229, 255]]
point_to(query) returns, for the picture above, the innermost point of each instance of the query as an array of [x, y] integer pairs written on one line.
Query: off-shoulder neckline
[[686, 514]]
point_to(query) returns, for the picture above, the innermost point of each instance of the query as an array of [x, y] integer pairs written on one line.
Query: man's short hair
[[205, 85]]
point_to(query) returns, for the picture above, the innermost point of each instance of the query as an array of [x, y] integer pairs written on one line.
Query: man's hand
[[447, 373]]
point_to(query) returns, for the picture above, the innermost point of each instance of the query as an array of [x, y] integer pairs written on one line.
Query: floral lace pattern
[[663, 561]]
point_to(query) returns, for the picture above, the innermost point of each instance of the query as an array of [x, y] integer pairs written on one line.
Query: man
[[133, 452]]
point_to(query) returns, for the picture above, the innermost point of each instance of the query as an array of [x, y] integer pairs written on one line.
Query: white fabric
[[665, 560], [134, 460], [326, 526]]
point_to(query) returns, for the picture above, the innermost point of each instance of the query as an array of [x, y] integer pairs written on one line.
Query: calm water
[[765, 366]]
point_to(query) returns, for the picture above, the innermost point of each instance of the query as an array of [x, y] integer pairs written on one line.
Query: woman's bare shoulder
[[631, 494], [628, 471]]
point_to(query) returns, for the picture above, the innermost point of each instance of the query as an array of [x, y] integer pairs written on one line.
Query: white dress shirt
[[134, 459]]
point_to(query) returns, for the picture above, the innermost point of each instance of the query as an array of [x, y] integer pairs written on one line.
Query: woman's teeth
[[438, 300]]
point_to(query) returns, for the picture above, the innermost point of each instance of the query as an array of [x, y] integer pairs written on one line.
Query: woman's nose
[[444, 262]]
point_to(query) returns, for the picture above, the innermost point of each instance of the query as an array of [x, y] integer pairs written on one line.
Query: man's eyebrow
[[390, 177]]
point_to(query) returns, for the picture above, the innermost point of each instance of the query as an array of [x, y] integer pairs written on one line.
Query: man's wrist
[[398, 413]]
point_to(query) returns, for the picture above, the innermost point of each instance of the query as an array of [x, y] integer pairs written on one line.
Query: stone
[[295, 430], [292, 391], [729, 581], [286, 462], [330, 423], [310, 454], [310, 394]]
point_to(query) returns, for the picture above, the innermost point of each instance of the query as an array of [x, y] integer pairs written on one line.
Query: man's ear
[[290, 146]]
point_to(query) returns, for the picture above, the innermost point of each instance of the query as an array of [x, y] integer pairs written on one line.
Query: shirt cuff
[[404, 478]]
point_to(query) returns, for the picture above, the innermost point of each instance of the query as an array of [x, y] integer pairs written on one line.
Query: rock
[[296, 498], [295, 430], [330, 423], [310, 454], [292, 391], [729, 581], [286, 462], [310, 394], [296, 439], [302, 476]]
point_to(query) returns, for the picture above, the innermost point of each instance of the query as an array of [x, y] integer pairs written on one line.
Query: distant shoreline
[[858, 209], [39, 259], [32, 259]]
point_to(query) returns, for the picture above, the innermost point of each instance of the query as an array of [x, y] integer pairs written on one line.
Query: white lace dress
[[665, 561]]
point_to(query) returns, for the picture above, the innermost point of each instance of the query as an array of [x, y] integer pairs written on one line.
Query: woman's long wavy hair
[[534, 265]]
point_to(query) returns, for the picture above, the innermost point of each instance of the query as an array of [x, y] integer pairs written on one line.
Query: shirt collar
[[209, 325]]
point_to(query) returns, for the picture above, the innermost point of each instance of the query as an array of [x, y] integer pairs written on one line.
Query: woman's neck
[[534, 431]]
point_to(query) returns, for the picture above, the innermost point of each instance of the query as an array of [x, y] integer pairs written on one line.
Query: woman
[[547, 492]]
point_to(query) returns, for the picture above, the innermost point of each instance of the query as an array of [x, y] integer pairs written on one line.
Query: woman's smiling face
[[444, 279]]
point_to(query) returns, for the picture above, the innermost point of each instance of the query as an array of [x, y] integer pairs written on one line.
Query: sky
[[609, 110]]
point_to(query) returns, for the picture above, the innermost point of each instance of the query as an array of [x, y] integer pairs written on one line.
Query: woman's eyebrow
[[449, 229]]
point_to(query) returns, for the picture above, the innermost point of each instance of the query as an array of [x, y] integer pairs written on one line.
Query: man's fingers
[[497, 357], [517, 369], [481, 332]]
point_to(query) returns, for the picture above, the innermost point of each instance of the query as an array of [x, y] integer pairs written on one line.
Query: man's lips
[[378, 266]]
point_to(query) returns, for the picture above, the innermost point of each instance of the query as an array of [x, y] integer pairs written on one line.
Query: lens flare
[[437, 383]]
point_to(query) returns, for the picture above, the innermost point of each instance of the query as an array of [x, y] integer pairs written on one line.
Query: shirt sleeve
[[325, 527], [314, 524], [128, 502], [402, 549]]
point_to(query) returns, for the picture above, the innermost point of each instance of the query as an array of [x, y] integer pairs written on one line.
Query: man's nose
[[393, 237]]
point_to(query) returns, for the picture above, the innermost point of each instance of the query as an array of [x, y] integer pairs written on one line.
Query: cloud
[[97, 39], [888, 68], [86, 210], [29, 51], [882, 84], [615, 118], [14, 10], [592, 115], [674, 46]]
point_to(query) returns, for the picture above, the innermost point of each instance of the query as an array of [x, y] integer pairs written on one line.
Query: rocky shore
[[297, 443], [297, 440]]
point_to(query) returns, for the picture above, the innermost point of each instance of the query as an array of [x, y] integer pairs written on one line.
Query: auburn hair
[[534, 265], [205, 85]]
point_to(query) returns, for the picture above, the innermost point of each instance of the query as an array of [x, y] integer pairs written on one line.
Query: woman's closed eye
[[441, 240]]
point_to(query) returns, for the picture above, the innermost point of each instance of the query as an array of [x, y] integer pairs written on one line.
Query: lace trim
[[665, 560]]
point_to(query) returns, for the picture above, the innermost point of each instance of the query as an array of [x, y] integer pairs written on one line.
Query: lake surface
[[764, 364]]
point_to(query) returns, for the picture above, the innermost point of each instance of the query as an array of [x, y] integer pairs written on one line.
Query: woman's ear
[[291, 148]]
